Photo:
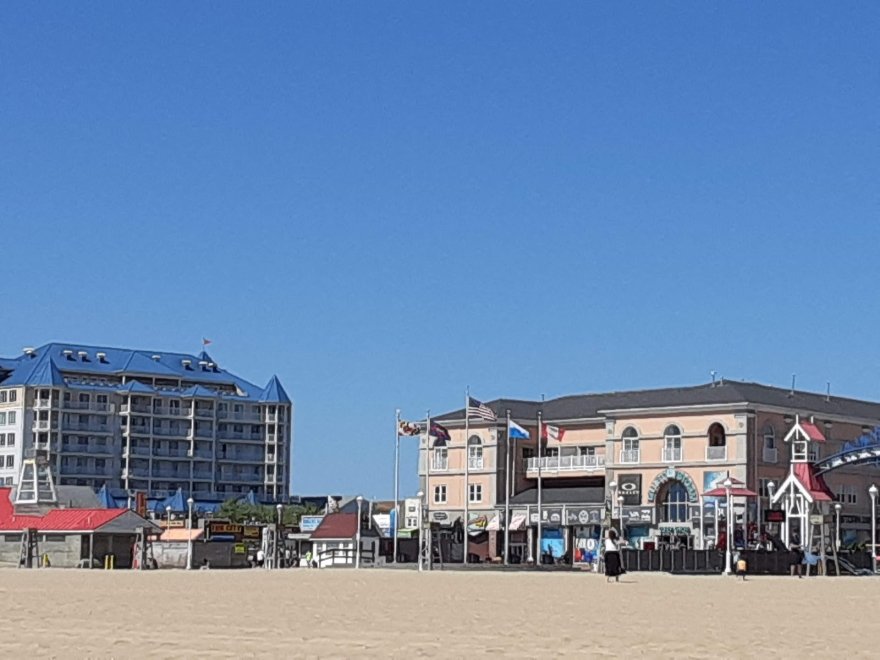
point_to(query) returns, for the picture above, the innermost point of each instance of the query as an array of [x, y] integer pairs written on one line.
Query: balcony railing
[[204, 412], [629, 456], [42, 404], [566, 463], [138, 451], [672, 454], [174, 433], [87, 405], [771, 455], [239, 416], [475, 464], [439, 465], [44, 425], [716, 453], [73, 448], [91, 428], [171, 411]]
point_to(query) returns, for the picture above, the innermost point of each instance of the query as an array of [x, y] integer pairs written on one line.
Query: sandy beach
[[388, 613]]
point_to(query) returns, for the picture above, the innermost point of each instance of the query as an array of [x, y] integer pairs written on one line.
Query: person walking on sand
[[613, 564]]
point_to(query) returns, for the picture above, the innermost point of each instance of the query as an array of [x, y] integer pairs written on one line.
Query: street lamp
[[357, 556], [837, 508], [612, 485], [421, 496], [189, 534], [279, 536], [168, 517], [620, 513], [727, 486], [872, 491]]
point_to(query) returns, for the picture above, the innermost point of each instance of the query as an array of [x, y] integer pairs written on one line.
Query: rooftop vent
[[187, 364], [157, 357], [203, 365], [83, 356], [102, 357], [68, 354], [29, 351]]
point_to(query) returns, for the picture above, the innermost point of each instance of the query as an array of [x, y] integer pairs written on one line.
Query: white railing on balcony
[[475, 463], [87, 405], [629, 456], [771, 455], [439, 464], [716, 453], [44, 425], [672, 454], [41, 404], [565, 463], [239, 416], [138, 408]]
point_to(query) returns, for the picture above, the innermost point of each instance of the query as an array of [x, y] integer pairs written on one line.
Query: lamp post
[[771, 489], [727, 486], [620, 514], [189, 533], [612, 485], [421, 496], [872, 491], [357, 553], [279, 536], [168, 517], [837, 508]]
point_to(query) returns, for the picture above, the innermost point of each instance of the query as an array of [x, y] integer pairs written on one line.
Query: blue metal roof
[[48, 364], [274, 392]]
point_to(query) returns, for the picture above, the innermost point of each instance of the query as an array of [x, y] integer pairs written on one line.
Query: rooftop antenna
[[713, 372], [793, 380], [828, 391]]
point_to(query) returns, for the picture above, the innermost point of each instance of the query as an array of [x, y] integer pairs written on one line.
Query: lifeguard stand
[[36, 487], [805, 495]]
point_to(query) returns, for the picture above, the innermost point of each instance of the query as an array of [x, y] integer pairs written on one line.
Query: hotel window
[[440, 494], [3, 396], [11, 417], [586, 451], [814, 453], [674, 505], [475, 493], [13, 396], [10, 439], [717, 437], [475, 453], [2, 417], [10, 461], [630, 451], [83, 398], [412, 523], [440, 459], [672, 444], [2, 439]]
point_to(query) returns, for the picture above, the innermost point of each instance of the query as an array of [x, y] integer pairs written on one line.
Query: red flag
[[205, 342], [553, 433]]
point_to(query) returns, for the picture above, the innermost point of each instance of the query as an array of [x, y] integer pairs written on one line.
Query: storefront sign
[[439, 516], [708, 513], [639, 515], [549, 516], [575, 516], [774, 516], [677, 530], [309, 523], [224, 531], [630, 486], [673, 475]]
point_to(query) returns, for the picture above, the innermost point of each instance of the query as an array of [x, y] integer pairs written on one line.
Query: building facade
[[144, 421], [645, 457]]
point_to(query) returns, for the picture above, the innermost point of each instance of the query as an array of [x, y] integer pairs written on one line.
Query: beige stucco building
[[646, 456]]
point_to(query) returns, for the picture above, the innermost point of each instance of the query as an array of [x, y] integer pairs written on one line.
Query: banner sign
[[630, 486], [224, 531], [309, 523], [575, 516], [639, 515]]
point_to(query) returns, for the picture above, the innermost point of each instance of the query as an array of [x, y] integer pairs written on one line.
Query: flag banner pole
[[540, 458], [467, 461], [507, 495], [396, 480]]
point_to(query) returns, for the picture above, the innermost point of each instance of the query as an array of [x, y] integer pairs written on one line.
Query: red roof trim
[[57, 520], [813, 432], [337, 526], [814, 483]]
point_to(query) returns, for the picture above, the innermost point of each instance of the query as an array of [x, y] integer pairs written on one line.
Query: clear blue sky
[[386, 202]]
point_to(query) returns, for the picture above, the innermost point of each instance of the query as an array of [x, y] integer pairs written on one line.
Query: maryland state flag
[[409, 428]]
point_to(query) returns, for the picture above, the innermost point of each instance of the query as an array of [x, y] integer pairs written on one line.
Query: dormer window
[[69, 355], [83, 356], [102, 357], [187, 364]]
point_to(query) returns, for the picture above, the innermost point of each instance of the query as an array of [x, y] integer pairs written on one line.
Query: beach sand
[[401, 613]]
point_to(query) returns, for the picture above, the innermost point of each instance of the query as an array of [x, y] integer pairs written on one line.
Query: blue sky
[[386, 202]]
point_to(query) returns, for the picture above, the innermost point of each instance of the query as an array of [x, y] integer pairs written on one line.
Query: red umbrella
[[737, 489]]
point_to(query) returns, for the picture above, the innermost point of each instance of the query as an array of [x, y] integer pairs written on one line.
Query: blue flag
[[517, 432]]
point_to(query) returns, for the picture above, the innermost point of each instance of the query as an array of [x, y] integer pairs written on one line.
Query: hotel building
[[644, 456], [144, 421]]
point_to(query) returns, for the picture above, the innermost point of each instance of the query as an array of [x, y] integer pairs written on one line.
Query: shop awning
[[517, 521]]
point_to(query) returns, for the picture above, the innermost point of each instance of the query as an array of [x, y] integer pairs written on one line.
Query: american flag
[[479, 409]]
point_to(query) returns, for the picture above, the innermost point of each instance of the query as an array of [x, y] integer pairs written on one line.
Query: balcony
[[91, 448], [203, 475], [42, 404], [630, 456], [239, 416], [771, 455], [475, 463], [249, 477], [127, 409], [89, 428], [171, 411], [171, 453], [137, 451], [44, 425], [716, 453], [138, 429], [205, 412], [87, 405], [241, 458], [171, 432], [566, 463], [439, 465]]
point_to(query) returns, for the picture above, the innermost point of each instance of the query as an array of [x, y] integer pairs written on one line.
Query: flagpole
[[396, 480], [467, 472], [540, 446], [507, 495]]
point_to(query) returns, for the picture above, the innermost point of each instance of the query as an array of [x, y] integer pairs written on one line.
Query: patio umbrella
[[737, 489]]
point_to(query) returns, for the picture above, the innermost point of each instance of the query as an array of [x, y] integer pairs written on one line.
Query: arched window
[[475, 453], [674, 504], [717, 437], [672, 444], [629, 452]]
